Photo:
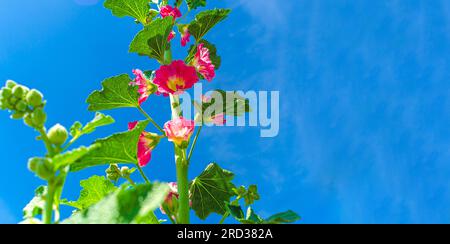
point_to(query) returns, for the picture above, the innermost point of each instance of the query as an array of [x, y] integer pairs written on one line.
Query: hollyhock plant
[[147, 142], [146, 87], [170, 11], [202, 63], [175, 78], [179, 130], [213, 191]]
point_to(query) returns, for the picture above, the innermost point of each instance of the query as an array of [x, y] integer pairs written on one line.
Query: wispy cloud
[[6, 216]]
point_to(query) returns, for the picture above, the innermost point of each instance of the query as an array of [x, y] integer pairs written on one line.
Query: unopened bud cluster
[[23, 103], [114, 173]]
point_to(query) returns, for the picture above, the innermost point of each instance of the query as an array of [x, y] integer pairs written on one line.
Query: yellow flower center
[[175, 81]]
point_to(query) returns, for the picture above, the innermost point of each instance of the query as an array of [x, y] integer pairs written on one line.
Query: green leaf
[[116, 93], [194, 4], [138, 9], [211, 190], [152, 40], [68, 158], [125, 206], [94, 190], [235, 211], [98, 121], [283, 218], [118, 148], [205, 21], [36, 205], [250, 196], [252, 218], [228, 103], [215, 58]]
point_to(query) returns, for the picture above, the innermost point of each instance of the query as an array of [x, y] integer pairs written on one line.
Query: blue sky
[[364, 135]]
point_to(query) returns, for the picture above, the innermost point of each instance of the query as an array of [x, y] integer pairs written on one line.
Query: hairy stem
[[225, 216], [48, 209], [47, 143], [182, 169], [183, 191], [191, 151], [151, 120], [143, 174]]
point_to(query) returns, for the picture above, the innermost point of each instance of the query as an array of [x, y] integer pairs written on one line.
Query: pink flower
[[175, 78], [171, 36], [179, 130], [203, 64], [171, 198], [147, 142], [170, 11], [206, 99], [171, 201], [146, 87], [186, 37], [218, 119]]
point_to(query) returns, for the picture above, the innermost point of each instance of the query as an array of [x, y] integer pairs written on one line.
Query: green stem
[[225, 216], [131, 181], [143, 174], [48, 208], [151, 120], [47, 143], [183, 191], [191, 151]]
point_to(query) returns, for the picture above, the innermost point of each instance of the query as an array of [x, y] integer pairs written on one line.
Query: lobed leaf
[[152, 40], [252, 218], [194, 4], [118, 148], [138, 9], [211, 190], [68, 158], [125, 206], [205, 21], [94, 190], [116, 93], [36, 205]]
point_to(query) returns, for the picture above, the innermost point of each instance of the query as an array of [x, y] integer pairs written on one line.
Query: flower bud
[[113, 172], [42, 167], [18, 91], [57, 135], [34, 98], [125, 171], [6, 92], [39, 117], [13, 100], [28, 120], [10, 84], [21, 106], [17, 115]]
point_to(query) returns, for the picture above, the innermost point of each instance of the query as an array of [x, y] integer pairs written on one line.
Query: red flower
[[202, 62], [175, 78], [170, 11], [147, 142]]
